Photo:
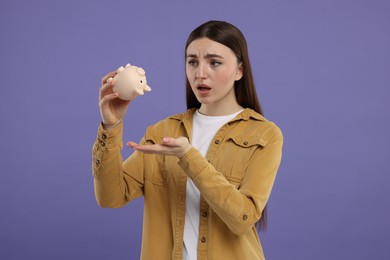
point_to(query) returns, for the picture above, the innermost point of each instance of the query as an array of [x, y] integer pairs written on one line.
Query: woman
[[206, 174]]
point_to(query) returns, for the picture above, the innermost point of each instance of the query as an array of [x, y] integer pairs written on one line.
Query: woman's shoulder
[[176, 118], [256, 124]]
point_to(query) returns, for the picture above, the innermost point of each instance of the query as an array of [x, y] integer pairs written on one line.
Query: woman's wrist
[[186, 150], [111, 126]]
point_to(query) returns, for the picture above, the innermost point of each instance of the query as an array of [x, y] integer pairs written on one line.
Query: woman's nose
[[201, 71]]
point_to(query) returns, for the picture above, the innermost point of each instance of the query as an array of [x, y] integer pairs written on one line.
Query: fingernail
[[166, 140]]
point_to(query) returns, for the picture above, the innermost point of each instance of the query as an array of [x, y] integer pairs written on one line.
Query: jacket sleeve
[[240, 208], [113, 186]]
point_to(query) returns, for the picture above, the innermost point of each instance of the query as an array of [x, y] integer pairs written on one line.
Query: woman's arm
[[239, 208], [113, 186]]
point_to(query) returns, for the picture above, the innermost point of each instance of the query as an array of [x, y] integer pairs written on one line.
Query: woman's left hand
[[170, 146]]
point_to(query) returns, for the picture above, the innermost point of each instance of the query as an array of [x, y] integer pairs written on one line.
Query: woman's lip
[[203, 87]]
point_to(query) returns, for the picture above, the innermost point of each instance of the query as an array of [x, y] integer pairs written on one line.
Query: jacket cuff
[[192, 163], [112, 137]]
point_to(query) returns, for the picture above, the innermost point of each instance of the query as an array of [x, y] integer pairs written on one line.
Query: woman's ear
[[240, 72]]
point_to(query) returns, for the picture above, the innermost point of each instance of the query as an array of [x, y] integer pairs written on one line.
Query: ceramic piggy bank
[[130, 82]]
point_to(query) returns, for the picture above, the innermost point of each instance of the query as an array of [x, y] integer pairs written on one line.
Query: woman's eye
[[192, 62], [216, 63]]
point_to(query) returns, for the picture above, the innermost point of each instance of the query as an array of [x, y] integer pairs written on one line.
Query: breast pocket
[[237, 155]]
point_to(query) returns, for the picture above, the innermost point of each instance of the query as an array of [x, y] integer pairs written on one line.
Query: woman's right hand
[[112, 108]]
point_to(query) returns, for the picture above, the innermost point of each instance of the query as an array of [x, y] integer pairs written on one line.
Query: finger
[[160, 149], [174, 142], [167, 141], [178, 146], [131, 144], [151, 149], [107, 98], [106, 88], [109, 75]]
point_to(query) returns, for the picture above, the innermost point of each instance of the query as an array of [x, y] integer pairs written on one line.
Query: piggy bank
[[130, 82]]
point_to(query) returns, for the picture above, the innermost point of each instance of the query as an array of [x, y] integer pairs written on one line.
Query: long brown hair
[[230, 36]]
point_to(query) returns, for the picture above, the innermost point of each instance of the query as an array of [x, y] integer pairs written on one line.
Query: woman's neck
[[210, 110]]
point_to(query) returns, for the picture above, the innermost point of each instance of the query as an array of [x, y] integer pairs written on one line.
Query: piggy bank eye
[[140, 81]]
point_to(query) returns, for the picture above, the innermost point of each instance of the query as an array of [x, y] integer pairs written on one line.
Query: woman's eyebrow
[[214, 56], [192, 56], [207, 56]]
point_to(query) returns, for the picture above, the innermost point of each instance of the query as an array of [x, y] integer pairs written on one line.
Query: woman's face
[[211, 70]]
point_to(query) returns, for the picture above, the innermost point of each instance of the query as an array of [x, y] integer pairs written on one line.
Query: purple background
[[322, 70]]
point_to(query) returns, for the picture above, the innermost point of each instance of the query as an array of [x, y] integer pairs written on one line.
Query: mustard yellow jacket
[[235, 181]]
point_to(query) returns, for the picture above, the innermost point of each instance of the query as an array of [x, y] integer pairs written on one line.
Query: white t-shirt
[[203, 131]]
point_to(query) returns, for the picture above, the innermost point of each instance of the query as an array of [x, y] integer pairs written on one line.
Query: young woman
[[206, 174]]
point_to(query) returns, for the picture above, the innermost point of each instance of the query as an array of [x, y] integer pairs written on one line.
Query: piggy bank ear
[[141, 71], [120, 69]]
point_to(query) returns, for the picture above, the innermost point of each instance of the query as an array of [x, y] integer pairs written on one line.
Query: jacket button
[[204, 214], [97, 161], [245, 143], [102, 143], [216, 142], [203, 239], [245, 217], [104, 136]]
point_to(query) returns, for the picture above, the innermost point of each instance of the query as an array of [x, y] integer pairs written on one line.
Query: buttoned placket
[[219, 137], [203, 229], [180, 217], [204, 207]]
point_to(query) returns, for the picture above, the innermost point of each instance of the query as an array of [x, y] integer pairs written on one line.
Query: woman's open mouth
[[203, 89]]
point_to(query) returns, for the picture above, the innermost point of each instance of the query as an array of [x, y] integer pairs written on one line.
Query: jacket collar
[[245, 115]]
